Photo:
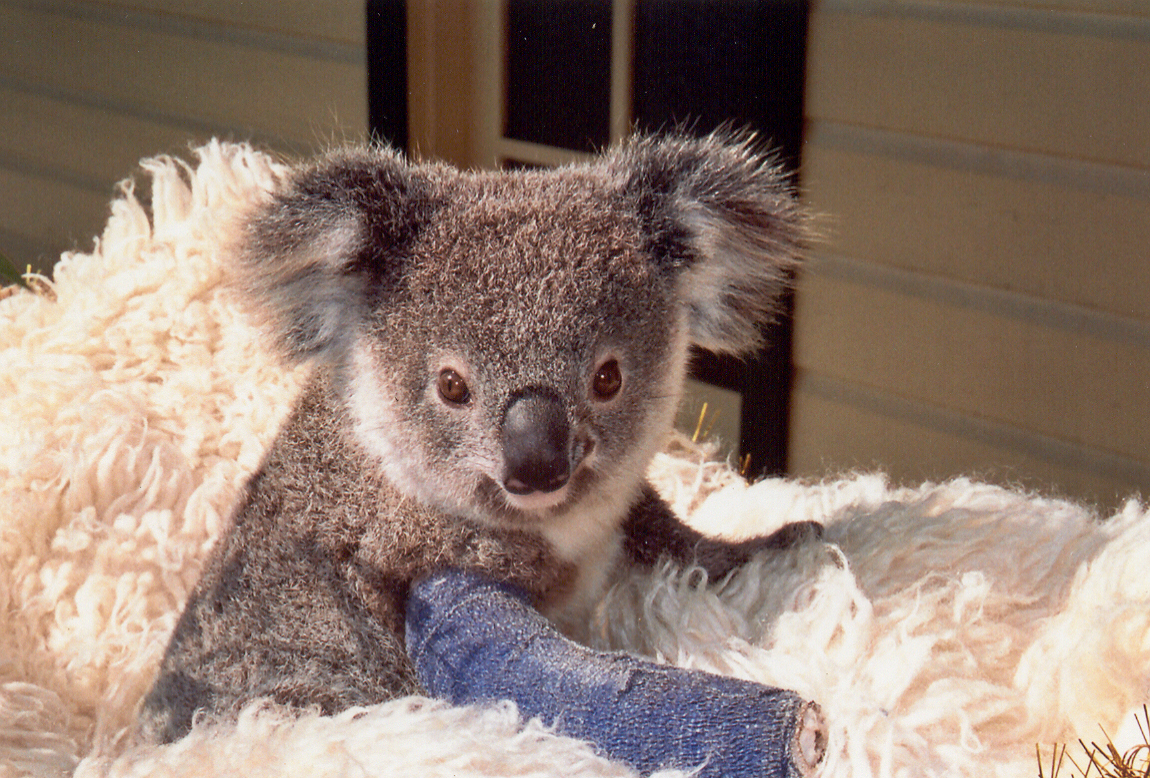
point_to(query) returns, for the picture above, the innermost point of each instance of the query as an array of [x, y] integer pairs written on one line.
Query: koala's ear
[[324, 243], [722, 218]]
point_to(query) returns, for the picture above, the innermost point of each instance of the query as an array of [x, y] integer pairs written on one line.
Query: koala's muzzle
[[536, 444]]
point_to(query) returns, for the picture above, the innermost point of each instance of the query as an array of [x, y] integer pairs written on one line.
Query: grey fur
[[527, 285]]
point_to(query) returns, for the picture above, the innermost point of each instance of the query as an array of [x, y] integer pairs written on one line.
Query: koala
[[497, 357]]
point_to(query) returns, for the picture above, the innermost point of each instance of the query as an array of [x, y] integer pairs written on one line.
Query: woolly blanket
[[945, 629]]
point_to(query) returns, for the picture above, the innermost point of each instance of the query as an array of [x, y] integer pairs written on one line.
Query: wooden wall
[[88, 88], [981, 301]]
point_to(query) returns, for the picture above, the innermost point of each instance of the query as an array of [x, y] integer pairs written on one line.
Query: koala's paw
[[788, 538], [518, 558], [719, 557], [791, 535]]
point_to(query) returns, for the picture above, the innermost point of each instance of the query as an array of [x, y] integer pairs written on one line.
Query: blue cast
[[474, 640]]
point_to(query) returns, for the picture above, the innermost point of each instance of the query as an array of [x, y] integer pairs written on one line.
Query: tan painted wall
[[981, 301], [88, 88]]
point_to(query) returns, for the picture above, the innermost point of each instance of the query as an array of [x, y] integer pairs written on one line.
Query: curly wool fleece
[[944, 629]]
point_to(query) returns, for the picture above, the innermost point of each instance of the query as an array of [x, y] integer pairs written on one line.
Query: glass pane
[[559, 73], [702, 63], [387, 71]]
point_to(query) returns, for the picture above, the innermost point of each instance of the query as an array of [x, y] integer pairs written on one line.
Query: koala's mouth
[[526, 509], [537, 502]]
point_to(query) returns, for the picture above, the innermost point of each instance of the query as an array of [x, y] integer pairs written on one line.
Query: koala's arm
[[426, 541], [652, 531]]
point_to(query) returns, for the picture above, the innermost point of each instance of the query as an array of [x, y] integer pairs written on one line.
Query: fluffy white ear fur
[[304, 296], [945, 629], [721, 216], [732, 290], [298, 248]]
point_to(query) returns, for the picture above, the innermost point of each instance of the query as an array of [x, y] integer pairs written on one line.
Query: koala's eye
[[452, 387], [608, 380]]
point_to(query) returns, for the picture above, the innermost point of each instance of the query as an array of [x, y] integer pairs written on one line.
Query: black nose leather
[[536, 438]]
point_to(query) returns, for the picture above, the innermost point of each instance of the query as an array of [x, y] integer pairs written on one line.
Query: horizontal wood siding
[[89, 88], [1067, 84], [980, 302], [1053, 231], [40, 210], [1089, 388], [914, 443]]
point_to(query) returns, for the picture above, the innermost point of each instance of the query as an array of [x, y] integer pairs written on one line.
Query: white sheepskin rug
[[946, 630]]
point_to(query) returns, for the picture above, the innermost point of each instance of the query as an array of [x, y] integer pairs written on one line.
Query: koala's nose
[[535, 444]]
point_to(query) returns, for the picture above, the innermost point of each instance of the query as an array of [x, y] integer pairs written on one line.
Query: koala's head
[[511, 346]]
